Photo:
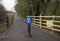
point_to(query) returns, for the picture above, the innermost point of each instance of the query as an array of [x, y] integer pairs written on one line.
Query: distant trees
[[48, 7], [36, 7], [28, 7], [21, 7]]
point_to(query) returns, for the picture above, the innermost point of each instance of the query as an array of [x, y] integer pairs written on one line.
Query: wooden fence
[[48, 22], [4, 22]]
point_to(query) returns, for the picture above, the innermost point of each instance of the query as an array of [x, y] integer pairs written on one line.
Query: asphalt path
[[18, 32]]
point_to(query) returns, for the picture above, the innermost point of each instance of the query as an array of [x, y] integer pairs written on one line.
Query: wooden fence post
[[34, 19], [53, 21], [40, 21]]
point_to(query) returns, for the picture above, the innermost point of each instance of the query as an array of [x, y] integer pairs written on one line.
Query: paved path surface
[[18, 32]]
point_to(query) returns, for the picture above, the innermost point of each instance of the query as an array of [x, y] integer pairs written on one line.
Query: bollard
[[28, 21], [29, 29]]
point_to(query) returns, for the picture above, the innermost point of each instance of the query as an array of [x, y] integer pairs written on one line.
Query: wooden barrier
[[39, 20], [5, 22]]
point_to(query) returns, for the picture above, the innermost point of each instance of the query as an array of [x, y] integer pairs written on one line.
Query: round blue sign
[[28, 20]]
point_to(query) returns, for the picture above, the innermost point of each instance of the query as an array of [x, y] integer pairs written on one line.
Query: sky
[[9, 4]]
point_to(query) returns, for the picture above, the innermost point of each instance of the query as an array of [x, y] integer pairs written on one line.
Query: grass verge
[[4, 27]]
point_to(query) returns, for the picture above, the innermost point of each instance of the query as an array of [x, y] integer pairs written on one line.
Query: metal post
[[29, 29], [28, 21]]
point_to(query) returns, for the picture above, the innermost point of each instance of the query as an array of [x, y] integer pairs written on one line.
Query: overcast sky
[[9, 4]]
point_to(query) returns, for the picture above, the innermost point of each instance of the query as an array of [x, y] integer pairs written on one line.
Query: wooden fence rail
[[38, 21], [5, 22]]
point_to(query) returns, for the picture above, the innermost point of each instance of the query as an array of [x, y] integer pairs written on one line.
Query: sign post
[[28, 21]]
